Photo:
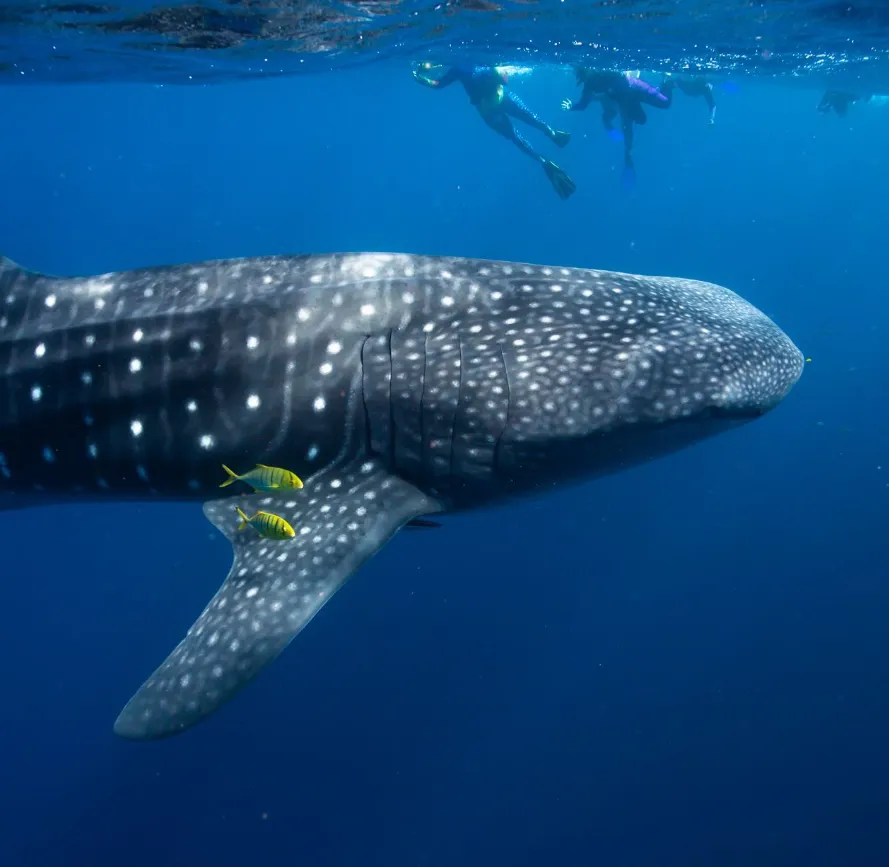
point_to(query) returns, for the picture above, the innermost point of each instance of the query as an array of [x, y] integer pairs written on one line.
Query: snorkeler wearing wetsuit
[[698, 86], [485, 86], [620, 94], [838, 101]]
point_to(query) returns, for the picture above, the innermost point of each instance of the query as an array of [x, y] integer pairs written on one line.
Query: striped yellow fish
[[265, 479], [268, 526]]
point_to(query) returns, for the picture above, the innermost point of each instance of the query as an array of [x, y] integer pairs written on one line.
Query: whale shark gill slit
[[272, 590]]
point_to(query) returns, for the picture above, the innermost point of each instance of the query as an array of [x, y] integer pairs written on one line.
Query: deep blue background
[[685, 664]]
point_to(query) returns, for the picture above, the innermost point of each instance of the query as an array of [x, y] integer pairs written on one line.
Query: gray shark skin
[[396, 386]]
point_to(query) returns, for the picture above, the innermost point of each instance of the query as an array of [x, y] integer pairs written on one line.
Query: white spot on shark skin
[[318, 404], [142, 472], [93, 450], [135, 365], [195, 345], [367, 310], [206, 442], [89, 339], [98, 286], [40, 351], [334, 347], [50, 301], [312, 453], [253, 401], [138, 334], [49, 455], [36, 393], [252, 342], [192, 406], [326, 368], [136, 427]]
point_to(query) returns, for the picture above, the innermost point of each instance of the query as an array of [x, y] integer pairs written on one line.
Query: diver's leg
[[711, 101], [635, 113], [627, 126], [500, 123], [628, 175], [650, 95], [561, 183], [514, 107]]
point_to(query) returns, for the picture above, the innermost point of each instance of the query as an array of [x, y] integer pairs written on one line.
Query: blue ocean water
[[682, 664]]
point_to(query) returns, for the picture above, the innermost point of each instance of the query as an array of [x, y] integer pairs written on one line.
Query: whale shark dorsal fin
[[11, 269], [7, 264], [274, 588]]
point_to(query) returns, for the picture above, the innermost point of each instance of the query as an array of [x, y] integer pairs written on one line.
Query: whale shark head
[[614, 369]]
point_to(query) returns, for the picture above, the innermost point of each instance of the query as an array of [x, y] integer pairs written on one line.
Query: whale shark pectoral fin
[[273, 590]]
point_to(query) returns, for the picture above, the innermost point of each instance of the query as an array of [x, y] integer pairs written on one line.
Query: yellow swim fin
[[232, 477], [245, 521]]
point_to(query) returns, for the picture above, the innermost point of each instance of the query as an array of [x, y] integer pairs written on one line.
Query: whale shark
[[398, 386]]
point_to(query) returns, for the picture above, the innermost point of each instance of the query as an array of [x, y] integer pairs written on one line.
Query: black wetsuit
[[622, 95]]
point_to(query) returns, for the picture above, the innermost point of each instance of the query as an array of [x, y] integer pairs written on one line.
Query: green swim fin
[[562, 184]]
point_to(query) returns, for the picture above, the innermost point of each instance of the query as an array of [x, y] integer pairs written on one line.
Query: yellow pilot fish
[[265, 479], [268, 526]]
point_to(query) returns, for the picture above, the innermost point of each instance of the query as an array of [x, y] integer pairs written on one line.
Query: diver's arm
[[585, 99], [448, 78]]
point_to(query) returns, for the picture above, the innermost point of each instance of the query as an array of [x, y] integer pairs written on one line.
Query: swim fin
[[560, 137], [562, 184]]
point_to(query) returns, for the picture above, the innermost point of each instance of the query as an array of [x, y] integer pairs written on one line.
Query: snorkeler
[[695, 86], [837, 100], [620, 93], [485, 87]]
